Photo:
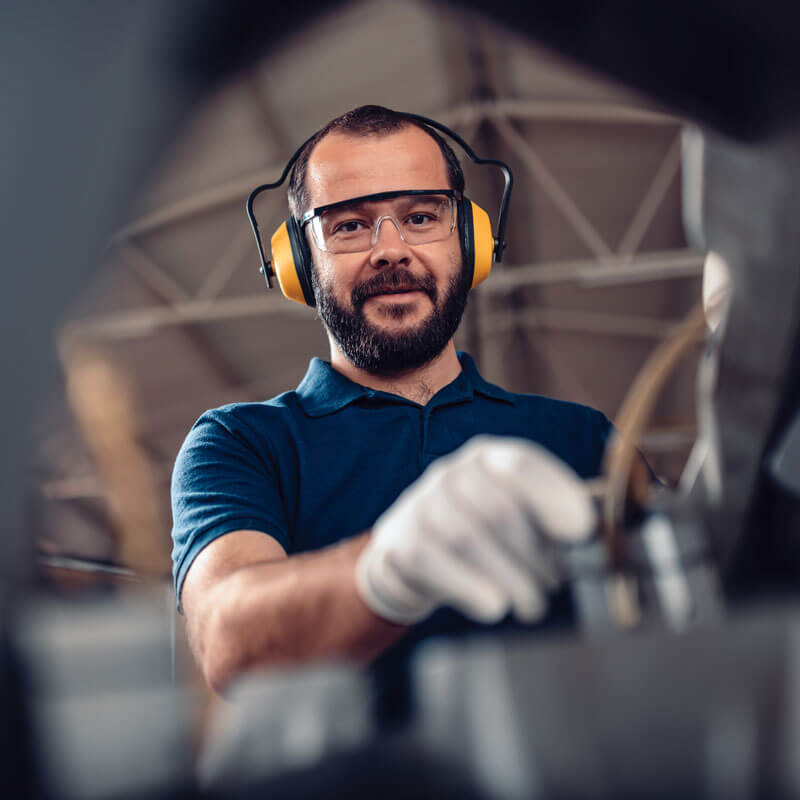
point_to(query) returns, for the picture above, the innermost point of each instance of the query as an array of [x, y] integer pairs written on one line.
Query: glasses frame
[[316, 213]]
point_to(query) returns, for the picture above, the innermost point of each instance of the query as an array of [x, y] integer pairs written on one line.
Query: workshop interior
[[656, 157]]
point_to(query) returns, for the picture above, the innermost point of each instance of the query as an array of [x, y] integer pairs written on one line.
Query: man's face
[[396, 306]]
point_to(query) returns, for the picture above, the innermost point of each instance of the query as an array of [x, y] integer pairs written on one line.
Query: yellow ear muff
[[484, 244], [284, 266]]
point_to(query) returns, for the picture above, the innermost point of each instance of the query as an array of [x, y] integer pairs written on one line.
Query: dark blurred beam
[[70, 488], [732, 64], [87, 566], [241, 247], [225, 193], [554, 111], [162, 286], [669, 438], [591, 322], [148, 321], [268, 119], [160, 283], [578, 221], [663, 178], [590, 273]]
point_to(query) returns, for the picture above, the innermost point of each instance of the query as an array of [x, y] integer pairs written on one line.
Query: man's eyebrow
[[357, 205]]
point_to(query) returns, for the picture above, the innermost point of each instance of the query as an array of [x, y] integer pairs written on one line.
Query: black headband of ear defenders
[[499, 238]]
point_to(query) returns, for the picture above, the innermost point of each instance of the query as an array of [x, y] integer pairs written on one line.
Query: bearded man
[[395, 494]]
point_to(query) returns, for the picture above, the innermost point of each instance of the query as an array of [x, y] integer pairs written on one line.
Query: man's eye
[[421, 218], [349, 226]]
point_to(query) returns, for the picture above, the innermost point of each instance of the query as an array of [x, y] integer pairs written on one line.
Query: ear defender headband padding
[[291, 262]]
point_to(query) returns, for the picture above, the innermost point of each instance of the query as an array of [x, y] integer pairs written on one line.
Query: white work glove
[[476, 532]]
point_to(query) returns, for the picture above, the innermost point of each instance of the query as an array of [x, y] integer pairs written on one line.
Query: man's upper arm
[[226, 480], [220, 559]]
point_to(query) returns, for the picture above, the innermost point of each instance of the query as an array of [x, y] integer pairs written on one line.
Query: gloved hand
[[475, 532]]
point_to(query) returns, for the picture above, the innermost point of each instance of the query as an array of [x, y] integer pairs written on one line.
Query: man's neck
[[417, 385]]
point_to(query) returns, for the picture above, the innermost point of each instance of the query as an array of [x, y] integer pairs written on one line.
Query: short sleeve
[[222, 481]]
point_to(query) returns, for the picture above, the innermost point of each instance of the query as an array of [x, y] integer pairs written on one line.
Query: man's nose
[[389, 246]]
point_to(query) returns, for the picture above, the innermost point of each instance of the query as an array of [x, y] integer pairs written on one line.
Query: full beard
[[374, 349]]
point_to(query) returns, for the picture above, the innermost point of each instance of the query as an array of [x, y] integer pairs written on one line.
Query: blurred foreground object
[[108, 720], [712, 713]]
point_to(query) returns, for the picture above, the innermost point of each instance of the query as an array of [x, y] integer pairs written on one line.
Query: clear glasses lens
[[352, 228]]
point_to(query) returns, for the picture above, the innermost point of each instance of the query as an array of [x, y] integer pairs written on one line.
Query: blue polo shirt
[[321, 463]]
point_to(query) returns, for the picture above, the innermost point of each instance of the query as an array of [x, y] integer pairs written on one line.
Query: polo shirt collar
[[469, 371], [325, 390]]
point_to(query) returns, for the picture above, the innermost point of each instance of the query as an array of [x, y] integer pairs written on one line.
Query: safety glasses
[[420, 216]]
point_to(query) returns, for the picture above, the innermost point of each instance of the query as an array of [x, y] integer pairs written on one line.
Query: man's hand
[[475, 532]]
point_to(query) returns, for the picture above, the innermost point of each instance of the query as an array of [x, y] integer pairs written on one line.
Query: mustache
[[396, 280]]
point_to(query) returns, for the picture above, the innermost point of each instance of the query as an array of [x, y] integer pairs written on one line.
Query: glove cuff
[[378, 601]]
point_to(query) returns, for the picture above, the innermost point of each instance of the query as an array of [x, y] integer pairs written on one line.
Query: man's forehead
[[343, 165]]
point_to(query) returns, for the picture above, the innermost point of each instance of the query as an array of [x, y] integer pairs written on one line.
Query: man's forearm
[[299, 609]]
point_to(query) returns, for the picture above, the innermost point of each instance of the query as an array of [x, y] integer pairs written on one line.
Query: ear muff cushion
[[290, 261], [483, 244], [477, 240], [465, 235]]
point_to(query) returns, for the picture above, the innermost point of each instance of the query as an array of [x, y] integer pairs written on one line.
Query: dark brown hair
[[366, 121]]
